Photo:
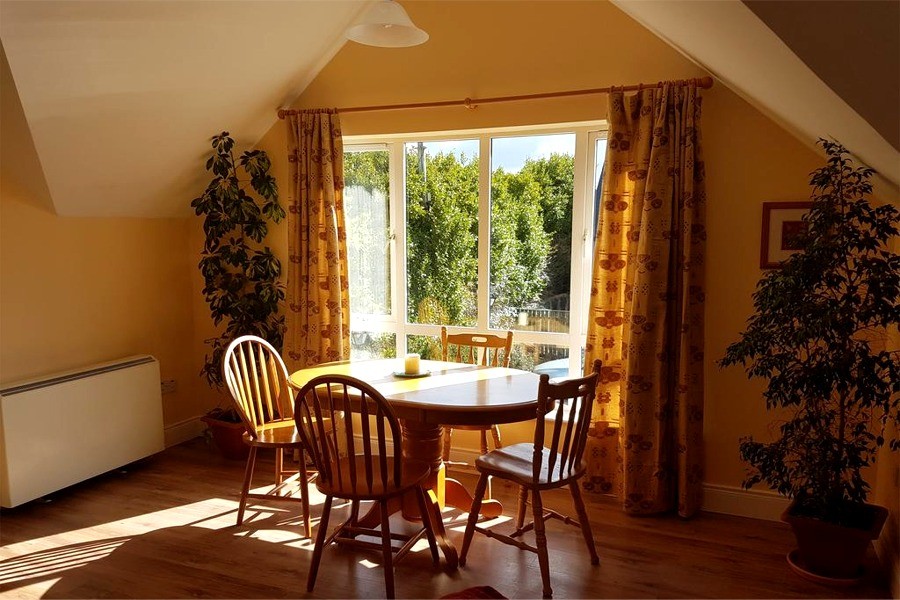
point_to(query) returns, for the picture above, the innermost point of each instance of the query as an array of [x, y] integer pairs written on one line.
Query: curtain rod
[[704, 83]]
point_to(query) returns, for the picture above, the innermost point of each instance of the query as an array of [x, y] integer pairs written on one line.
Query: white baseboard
[[183, 431], [756, 504], [729, 500]]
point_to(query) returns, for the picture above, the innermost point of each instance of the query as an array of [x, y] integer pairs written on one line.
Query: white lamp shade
[[387, 25]]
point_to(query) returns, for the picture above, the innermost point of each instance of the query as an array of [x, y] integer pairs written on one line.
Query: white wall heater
[[56, 431]]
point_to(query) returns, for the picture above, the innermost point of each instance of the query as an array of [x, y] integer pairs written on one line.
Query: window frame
[[586, 135]]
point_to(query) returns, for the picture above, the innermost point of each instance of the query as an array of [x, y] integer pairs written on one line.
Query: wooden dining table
[[451, 394]]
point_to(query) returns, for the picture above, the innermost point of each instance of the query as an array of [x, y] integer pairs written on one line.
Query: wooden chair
[[536, 468], [258, 381], [361, 470], [464, 347]]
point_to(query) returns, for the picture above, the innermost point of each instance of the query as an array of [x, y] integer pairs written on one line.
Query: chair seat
[[515, 463], [411, 475], [275, 434]]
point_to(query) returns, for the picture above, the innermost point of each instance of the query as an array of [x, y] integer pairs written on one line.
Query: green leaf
[[805, 339], [240, 282]]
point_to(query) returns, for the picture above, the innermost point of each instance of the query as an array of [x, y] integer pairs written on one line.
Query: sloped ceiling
[[731, 41], [121, 97], [854, 47]]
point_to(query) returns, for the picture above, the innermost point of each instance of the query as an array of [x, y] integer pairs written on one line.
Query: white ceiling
[[120, 96]]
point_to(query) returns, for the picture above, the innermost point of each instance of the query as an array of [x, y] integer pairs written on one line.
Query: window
[[488, 230]]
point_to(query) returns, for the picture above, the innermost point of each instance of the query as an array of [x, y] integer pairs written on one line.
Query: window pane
[[442, 231], [366, 345], [599, 162], [367, 214], [532, 182], [541, 358], [427, 346]]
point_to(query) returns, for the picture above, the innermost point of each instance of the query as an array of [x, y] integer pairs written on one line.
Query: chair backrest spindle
[[365, 467], [571, 403], [257, 379]]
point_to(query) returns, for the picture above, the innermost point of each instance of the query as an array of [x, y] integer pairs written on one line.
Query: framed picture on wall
[[782, 231]]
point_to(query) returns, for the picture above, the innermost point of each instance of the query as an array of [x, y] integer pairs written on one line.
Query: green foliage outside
[[368, 170], [442, 239], [531, 215], [520, 244], [555, 177]]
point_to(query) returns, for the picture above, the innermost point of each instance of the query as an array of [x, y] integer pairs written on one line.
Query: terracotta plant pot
[[826, 551], [229, 437]]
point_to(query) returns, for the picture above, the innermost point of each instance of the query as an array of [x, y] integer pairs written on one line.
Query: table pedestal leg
[[459, 497], [422, 443]]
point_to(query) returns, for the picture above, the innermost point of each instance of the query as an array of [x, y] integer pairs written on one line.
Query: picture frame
[[781, 226]]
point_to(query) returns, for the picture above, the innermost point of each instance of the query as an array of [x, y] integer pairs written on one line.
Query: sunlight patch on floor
[[52, 561], [35, 562], [461, 526]]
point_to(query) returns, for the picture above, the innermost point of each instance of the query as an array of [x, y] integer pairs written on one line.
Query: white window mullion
[[484, 233], [577, 281], [398, 226]]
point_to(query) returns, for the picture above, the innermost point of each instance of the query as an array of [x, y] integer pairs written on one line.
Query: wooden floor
[[165, 529]]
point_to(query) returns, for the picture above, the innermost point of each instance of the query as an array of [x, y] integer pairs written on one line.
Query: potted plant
[[814, 337], [240, 273]]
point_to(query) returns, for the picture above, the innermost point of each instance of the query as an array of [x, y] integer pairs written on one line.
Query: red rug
[[482, 591]]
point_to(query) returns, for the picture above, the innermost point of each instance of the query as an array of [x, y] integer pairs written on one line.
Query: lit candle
[[412, 364]]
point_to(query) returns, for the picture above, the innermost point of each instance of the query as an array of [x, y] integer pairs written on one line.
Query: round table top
[[453, 393]]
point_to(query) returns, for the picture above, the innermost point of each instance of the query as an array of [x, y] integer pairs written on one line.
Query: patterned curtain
[[646, 312], [318, 316]]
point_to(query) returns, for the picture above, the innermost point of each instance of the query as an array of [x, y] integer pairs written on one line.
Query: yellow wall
[[499, 48], [80, 291]]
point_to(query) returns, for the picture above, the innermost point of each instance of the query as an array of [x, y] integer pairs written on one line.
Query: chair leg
[[320, 544], [445, 443], [354, 513], [304, 489], [279, 465], [426, 523], [541, 542], [387, 550], [523, 505], [585, 523], [495, 433], [248, 476], [484, 450], [473, 517]]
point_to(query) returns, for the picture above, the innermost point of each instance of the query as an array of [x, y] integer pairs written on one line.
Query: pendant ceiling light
[[387, 25]]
